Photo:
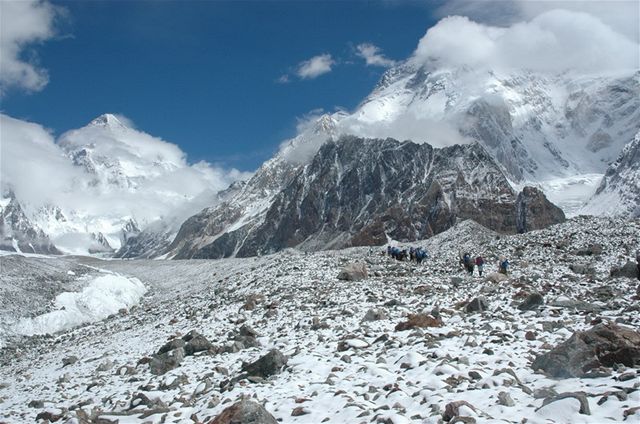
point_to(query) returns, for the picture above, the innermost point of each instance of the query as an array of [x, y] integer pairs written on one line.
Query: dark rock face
[[270, 364], [534, 211], [17, 230], [244, 412], [360, 192], [602, 346]]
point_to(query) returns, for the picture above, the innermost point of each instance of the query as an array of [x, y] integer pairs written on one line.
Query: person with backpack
[[638, 262], [503, 266], [468, 263], [480, 264]]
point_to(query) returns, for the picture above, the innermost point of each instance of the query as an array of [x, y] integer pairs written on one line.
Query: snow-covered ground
[[342, 369]]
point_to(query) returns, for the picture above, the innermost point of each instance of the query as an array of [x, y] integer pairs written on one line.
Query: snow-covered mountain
[[536, 125], [111, 183], [619, 191]]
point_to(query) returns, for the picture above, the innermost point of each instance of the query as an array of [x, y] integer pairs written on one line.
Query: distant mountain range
[[478, 138]]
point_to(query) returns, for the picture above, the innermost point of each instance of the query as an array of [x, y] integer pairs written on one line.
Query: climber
[[480, 264]]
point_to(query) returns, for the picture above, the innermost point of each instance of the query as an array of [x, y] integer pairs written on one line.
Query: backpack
[[479, 261]]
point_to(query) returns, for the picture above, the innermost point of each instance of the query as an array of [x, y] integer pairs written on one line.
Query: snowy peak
[[108, 120]]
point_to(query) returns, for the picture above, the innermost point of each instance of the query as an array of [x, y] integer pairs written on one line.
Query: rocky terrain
[[281, 338]]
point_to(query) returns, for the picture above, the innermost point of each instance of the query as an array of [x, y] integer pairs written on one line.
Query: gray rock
[[270, 364], [244, 412], [531, 302], [505, 399], [353, 272], [166, 361], [478, 304], [496, 277], [69, 360], [580, 396], [602, 346], [628, 270], [582, 269], [375, 315], [171, 345]]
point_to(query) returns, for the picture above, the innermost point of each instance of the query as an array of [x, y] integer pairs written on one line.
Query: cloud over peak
[[554, 41]]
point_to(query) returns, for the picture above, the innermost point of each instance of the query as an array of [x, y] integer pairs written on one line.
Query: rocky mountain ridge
[[365, 192]]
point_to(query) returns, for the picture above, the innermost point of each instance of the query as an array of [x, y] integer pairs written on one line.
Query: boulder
[[270, 364], [244, 412], [602, 346], [420, 321], [196, 342], [374, 315], [353, 272], [496, 277], [531, 302], [478, 304], [582, 269], [628, 270], [166, 361]]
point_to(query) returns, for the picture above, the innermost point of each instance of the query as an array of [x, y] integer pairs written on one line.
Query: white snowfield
[[103, 296], [340, 368]]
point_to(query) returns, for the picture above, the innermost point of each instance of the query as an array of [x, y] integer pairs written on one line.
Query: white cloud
[[23, 23], [373, 56], [622, 15], [316, 66], [556, 40]]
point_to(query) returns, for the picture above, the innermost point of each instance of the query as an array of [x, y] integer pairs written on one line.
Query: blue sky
[[207, 75]]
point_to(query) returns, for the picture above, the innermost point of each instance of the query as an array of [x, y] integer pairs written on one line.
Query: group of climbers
[[469, 263], [417, 254]]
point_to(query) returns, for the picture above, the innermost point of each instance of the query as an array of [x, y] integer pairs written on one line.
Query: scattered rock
[[478, 304], [582, 269], [505, 399], [592, 249], [496, 277], [375, 315], [628, 270], [353, 272], [244, 412], [580, 396], [196, 342], [452, 409], [166, 361], [299, 410], [531, 302], [602, 346], [69, 360], [270, 364], [418, 321]]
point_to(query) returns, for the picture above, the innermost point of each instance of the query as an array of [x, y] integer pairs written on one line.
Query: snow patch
[[105, 295]]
